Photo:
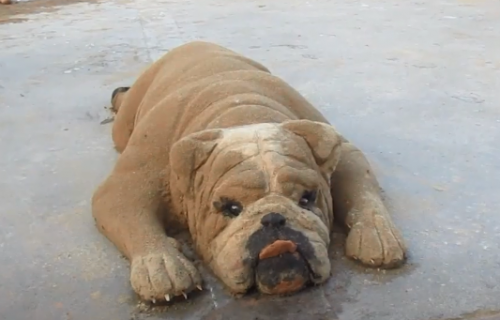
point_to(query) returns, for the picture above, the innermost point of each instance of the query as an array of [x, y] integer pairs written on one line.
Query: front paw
[[163, 275], [375, 241]]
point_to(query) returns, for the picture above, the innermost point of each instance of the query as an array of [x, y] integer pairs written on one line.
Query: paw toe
[[140, 281]]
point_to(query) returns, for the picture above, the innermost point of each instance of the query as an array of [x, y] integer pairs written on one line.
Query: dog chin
[[285, 273], [280, 260]]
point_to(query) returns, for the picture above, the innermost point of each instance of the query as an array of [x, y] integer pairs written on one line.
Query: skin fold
[[211, 141]]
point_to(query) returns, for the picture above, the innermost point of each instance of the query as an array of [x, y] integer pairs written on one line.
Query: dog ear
[[325, 142], [189, 154]]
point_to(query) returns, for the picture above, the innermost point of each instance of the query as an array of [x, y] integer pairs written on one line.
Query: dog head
[[257, 201]]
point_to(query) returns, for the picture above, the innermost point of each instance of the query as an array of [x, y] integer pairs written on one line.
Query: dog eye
[[308, 199], [229, 208], [232, 210]]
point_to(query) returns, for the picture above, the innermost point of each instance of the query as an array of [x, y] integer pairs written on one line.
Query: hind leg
[[373, 238], [125, 102], [118, 93], [125, 112]]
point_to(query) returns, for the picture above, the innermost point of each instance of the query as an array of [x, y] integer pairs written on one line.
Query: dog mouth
[[281, 268]]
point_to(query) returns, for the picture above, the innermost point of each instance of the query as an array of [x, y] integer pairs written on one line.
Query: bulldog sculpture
[[211, 141]]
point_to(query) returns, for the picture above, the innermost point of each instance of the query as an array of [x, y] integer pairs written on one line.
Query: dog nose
[[273, 220]]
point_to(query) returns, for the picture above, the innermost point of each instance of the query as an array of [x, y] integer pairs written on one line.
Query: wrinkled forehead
[[253, 139], [267, 141], [261, 157], [251, 133]]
